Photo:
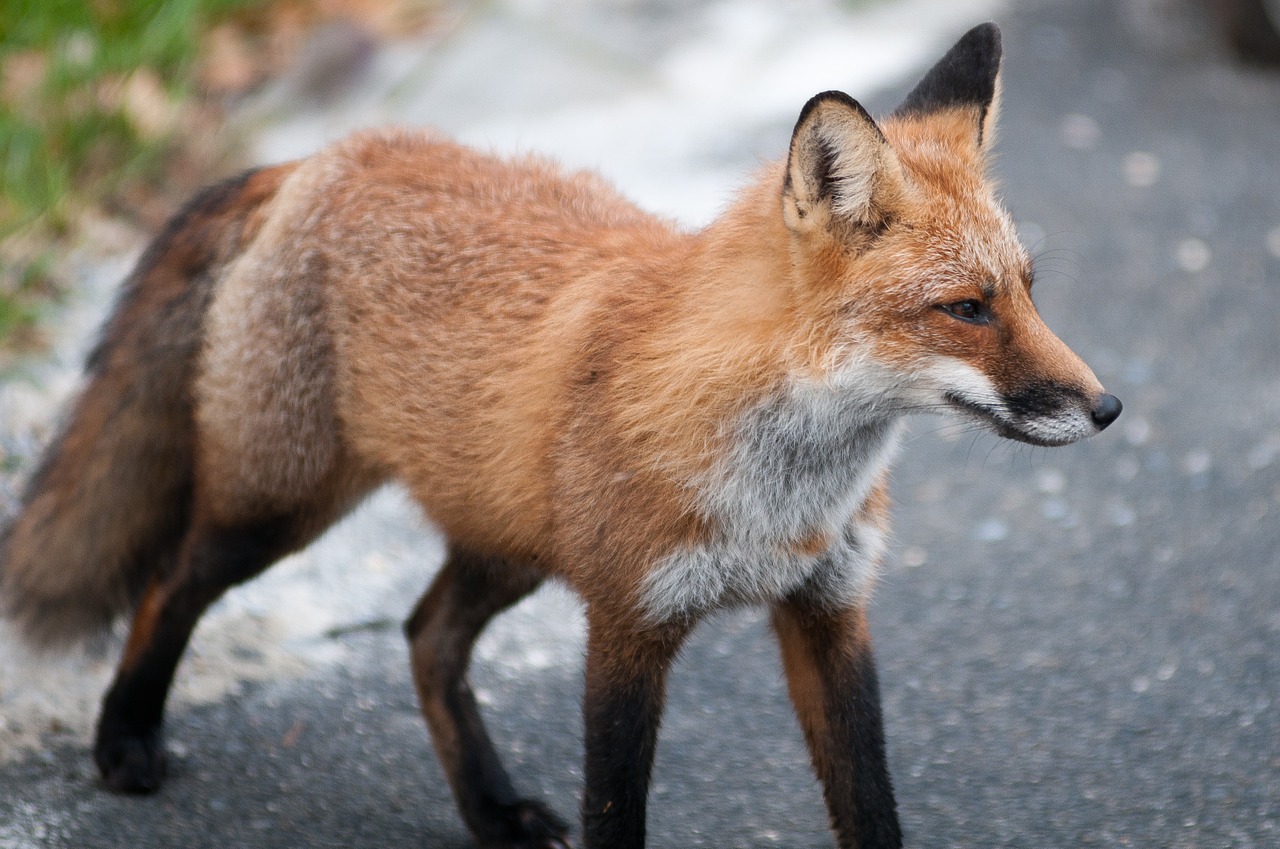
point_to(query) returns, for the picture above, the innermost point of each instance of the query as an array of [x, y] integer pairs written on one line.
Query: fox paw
[[525, 825], [130, 761]]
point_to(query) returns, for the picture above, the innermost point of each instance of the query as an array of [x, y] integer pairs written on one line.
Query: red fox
[[669, 422]]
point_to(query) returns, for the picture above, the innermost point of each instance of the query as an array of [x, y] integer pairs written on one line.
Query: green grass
[[67, 140]]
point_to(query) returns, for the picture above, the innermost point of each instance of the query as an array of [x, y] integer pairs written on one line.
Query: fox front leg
[[831, 675], [622, 708]]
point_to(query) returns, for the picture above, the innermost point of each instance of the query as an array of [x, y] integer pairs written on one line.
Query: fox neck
[[796, 452], [798, 465]]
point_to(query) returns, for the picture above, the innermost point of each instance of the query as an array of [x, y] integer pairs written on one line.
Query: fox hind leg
[[468, 592], [129, 748]]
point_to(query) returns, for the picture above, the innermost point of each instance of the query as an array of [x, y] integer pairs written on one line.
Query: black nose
[[1106, 410]]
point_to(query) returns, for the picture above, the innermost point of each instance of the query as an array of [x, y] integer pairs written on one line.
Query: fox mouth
[[998, 423]]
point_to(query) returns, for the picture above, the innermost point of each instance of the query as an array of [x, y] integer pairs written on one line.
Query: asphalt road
[[1078, 647]]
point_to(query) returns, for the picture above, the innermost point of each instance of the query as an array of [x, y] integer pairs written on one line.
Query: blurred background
[[1078, 647]]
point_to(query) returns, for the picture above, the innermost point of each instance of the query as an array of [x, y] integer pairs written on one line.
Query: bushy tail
[[110, 500]]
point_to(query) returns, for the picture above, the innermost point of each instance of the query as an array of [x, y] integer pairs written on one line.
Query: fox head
[[897, 232]]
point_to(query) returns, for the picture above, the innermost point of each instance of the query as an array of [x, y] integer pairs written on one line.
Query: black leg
[[625, 691], [468, 592], [129, 749], [831, 674]]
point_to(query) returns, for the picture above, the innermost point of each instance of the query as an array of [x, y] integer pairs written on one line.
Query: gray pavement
[[1078, 647]]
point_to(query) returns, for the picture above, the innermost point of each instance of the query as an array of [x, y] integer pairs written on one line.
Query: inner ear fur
[[840, 169]]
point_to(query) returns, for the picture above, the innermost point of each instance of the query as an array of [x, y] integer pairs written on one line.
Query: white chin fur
[[1064, 429], [956, 385]]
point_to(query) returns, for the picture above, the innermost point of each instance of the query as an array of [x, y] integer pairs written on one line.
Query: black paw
[[130, 761], [525, 825]]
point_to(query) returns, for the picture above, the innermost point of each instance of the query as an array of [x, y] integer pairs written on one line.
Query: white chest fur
[[796, 469]]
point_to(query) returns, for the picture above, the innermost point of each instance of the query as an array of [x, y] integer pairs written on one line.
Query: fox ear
[[837, 166], [967, 77]]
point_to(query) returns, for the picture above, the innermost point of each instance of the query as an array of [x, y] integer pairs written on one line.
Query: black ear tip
[[964, 76], [982, 44], [830, 97], [838, 97], [984, 37]]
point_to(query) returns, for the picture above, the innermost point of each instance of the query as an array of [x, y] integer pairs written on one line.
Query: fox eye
[[969, 309]]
